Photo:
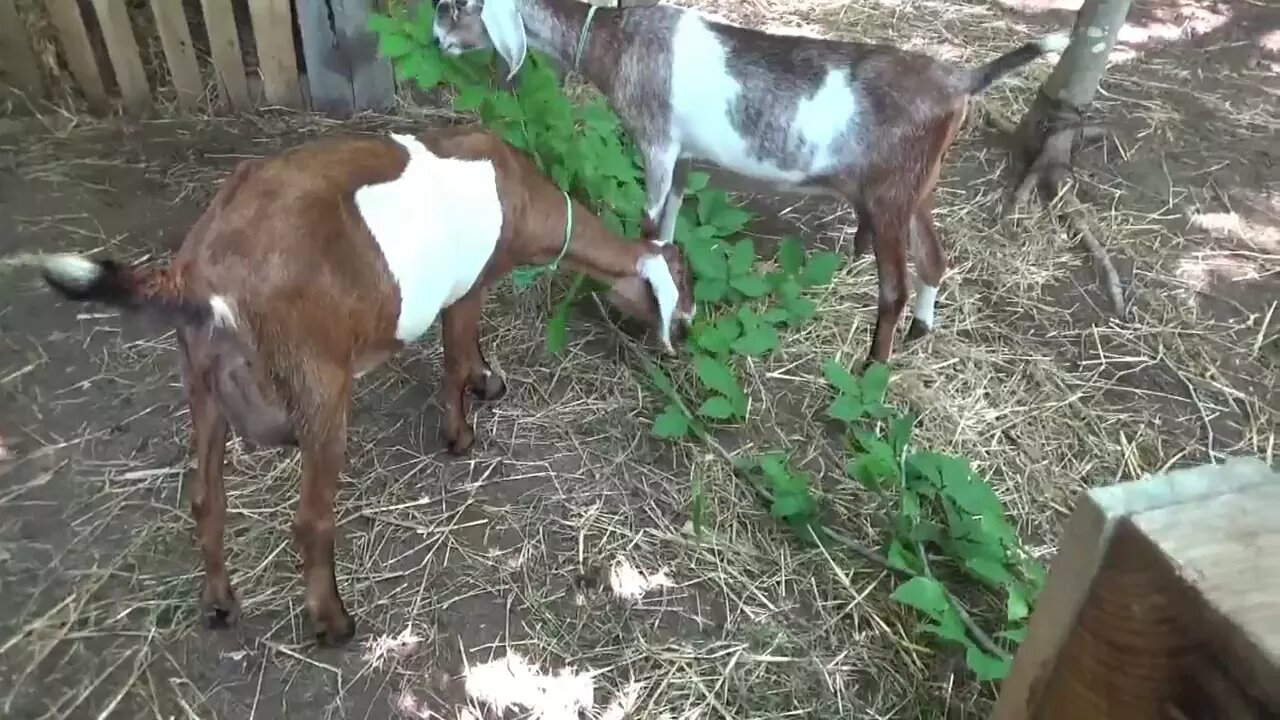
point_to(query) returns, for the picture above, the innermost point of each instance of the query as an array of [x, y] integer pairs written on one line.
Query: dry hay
[[450, 563]]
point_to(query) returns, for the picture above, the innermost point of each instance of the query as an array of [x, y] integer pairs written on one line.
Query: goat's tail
[[144, 287], [980, 78]]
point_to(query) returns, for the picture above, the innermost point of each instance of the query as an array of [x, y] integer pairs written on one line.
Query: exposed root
[[1048, 147]]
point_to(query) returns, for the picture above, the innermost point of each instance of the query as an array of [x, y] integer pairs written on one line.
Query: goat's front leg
[[219, 607], [659, 175], [464, 366], [323, 443], [675, 199]]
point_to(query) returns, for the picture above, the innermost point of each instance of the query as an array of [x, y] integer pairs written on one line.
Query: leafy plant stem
[[979, 635]]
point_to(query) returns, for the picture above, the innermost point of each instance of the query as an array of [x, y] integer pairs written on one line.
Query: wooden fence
[[304, 54]]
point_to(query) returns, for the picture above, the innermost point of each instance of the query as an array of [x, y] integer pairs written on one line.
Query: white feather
[[71, 270], [1055, 43]]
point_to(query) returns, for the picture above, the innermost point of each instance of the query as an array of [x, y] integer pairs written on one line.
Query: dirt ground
[[447, 563]]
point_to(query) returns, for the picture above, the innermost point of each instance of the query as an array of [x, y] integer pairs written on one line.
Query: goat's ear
[[502, 20]]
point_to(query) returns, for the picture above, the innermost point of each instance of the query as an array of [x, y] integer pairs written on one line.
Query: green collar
[[582, 36], [523, 277]]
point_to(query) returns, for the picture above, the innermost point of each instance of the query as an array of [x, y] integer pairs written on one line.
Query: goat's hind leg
[[218, 604], [931, 265], [323, 441], [890, 228]]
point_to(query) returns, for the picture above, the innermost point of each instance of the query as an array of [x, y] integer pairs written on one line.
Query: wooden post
[[65, 16], [18, 66], [224, 45], [372, 79], [175, 38], [1160, 600], [328, 74], [273, 35], [122, 48]]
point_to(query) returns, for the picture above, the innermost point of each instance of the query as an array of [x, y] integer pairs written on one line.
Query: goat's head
[[462, 25], [660, 293]]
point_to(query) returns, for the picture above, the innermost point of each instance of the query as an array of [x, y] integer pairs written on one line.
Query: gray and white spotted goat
[[867, 123]]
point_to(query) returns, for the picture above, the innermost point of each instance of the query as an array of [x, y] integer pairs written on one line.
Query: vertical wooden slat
[[122, 48], [224, 45], [273, 35], [65, 16], [175, 38], [18, 67], [372, 81], [328, 74]]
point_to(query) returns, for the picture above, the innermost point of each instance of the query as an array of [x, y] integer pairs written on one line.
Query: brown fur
[[315, 304]]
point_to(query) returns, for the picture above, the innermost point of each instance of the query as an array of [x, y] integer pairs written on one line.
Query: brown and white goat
[[313, 266], [867, 123]]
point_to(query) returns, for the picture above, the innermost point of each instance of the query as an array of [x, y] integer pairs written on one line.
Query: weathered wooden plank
[[273, 36], [74, 41], [1095, 586], [122, 48], [224, 45], [328, 73], [372, 80], [18, 66], [175, 38]]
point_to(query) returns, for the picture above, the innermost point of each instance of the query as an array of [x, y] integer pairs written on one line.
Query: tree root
[[1048, 150]]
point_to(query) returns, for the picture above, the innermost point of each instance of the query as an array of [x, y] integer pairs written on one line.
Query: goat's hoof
[[491, 388], [219, 608], [336, 629], [917, 330], [462, 443]]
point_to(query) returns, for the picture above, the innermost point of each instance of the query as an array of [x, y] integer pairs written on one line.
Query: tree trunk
[[1048, 132]]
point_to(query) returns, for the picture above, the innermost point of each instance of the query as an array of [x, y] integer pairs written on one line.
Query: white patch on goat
[[222, 313], [654, 268], [702, 96], [926, 301], [437, 226], [821, 120]]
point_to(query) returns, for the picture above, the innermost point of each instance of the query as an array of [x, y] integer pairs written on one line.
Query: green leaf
[[900, 433], [696, 182], [469, 99], [758, 341], [990, 571], [875, 380], [729, 219], [1017, 607], [924, 594], [900, 557], [753, 286], [846, 408], [716, 338], [775, 316], [717, 376], [661, 381], [558, 330], [791, 255], [709, 290], [706, 257], [717, 407], [394, 46], [801, 309], [841, 379], [742, 257], [671, 423], [820, 269], [1013, 635], [949, 626], [986, 667]]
